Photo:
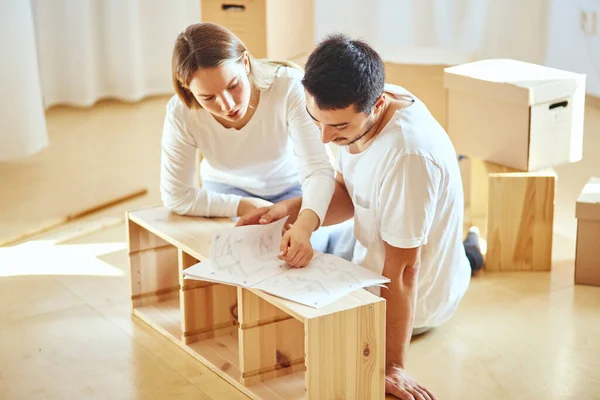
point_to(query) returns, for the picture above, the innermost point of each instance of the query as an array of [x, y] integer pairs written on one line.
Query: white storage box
[[517, 114]]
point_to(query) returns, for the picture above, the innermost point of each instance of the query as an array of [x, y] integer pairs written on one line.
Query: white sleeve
[[408, 199], [318, 182], [178, 165]]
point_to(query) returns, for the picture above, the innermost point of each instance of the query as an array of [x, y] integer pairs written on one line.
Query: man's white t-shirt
[[278, 148], [407, 191]]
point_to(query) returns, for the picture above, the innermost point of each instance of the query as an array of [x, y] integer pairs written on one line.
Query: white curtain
[[22, 118], [94, 49]]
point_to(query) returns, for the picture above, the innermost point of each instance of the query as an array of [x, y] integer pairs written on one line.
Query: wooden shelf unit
[[267, 347]]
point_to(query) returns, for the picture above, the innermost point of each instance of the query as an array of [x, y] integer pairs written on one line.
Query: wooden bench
[[267, 347]]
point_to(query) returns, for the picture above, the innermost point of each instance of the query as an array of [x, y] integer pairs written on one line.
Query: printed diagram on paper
[[325, 279], [247, 257]]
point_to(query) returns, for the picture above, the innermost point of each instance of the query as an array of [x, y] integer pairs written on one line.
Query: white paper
[[247, 257], [325, 279]]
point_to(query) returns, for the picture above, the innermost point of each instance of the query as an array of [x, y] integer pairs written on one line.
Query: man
[[398, 176]]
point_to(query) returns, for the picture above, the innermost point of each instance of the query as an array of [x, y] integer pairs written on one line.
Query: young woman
[[248, 119]]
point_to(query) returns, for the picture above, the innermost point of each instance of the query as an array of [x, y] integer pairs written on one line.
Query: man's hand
[[296, 249], [402, 386]]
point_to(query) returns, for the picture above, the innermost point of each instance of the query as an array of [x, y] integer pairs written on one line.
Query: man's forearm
[[341, 208], [400, 309]]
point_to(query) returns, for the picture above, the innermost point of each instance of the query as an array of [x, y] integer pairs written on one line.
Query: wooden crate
[[520, 221], [267, 347]]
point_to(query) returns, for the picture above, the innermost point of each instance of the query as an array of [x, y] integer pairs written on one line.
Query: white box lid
[[513, 81]]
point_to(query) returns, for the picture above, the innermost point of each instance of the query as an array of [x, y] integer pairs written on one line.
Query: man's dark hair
[[341, 72]]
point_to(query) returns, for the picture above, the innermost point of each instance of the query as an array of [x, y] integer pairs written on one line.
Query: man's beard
[[356, 139]]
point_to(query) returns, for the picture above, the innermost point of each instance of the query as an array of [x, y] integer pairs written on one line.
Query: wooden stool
[[267, 347], [520, 218]]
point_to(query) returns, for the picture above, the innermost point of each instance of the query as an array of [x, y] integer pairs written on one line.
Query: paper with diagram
[[247, 257]]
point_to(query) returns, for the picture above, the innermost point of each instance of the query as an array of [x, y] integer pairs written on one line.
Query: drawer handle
[[559, 104], [234, 7]]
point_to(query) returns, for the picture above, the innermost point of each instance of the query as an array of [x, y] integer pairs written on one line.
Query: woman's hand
[[249, 204]]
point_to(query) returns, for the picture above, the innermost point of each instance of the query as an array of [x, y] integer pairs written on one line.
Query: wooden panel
[[521, 216], [345, 357], [477, 181], [302, 313], [254, 310], [190, 234], [154, 273], [140, 239], [271, 341], [272, 350], [208, 309]]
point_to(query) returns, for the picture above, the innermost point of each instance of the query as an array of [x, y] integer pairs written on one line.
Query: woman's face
[[223, 91]]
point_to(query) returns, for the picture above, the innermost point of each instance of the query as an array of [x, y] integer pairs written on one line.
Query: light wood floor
[[66, 331]]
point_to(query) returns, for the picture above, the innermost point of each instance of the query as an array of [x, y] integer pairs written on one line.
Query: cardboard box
[[421, 72], [275, 29], [587, 257], [516, 114]]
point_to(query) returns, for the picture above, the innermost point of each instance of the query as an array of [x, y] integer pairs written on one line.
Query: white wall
[[544, 32], [568, 46], [352, 17]]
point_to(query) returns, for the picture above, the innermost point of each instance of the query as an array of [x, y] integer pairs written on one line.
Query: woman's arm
[[318, 182], [178, 166]]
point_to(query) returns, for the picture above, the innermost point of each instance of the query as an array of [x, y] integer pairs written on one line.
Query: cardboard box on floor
[[421, 72], [587, 258], [525, 116], [275, 29]]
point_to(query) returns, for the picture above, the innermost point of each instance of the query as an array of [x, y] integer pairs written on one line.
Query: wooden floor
[[66, 331]]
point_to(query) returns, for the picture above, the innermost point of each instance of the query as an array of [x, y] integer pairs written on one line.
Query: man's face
[[344, 126]]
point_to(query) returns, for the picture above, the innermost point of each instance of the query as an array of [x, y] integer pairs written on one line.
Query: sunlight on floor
[[47, 258]]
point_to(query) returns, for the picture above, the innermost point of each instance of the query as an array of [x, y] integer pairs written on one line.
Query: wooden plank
[[50, 225], [253, 310], [141, 239], [209, 309], [345, 354], [520, 222], [190, 234], [271, 350], [302, 313], [271, 341], [153, 272]]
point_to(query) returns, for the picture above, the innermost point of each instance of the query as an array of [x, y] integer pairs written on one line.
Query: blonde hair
[[208, 45]]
